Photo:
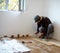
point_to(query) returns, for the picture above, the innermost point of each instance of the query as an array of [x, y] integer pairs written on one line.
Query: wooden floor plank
[[37, 45]]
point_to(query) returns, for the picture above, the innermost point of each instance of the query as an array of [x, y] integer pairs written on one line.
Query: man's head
[[37, 18]]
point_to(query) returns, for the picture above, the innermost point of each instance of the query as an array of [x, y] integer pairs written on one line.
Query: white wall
[[20, 23], [23, 23], [52, 10]]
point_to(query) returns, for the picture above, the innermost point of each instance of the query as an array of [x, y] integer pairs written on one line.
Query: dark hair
[[37, 18]]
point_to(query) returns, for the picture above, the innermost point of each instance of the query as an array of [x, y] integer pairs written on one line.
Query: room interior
[[22, 23]]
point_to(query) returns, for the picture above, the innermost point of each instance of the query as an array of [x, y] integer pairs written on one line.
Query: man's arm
[[38, 26]]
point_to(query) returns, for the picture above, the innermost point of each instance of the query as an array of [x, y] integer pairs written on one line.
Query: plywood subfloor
[[40, 46]]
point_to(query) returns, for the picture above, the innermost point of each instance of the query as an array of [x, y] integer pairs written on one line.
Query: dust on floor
[[40, 46], [37, 45]]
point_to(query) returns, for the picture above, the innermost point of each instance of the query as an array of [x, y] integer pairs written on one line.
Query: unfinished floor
[[37, 45]]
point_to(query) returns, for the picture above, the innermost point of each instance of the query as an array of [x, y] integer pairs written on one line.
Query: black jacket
[[44, 23]]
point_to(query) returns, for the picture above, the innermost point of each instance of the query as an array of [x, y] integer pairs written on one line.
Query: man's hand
[[36, 32]]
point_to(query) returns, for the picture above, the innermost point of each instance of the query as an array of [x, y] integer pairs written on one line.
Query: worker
[[44, 26]]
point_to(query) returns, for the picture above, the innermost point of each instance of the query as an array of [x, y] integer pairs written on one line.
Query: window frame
[[21, 6]]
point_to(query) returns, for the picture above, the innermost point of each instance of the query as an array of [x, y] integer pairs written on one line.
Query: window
[[12, 5]]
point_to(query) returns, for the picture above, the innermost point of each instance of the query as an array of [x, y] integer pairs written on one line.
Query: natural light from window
[[11, 5]]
